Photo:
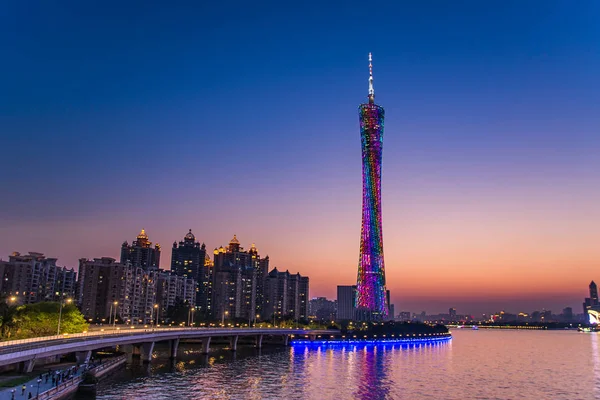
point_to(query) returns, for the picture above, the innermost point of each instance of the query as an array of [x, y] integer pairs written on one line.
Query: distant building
[[522, 317], [286, 296], [567, 314], [172, 290], [33, 278], [452, 314], [188, 260], [390, 306], [322, 309], [346, 302], [392, 315], [546, 316], [405, 316], [594, 293], [591, 305], [141, 254]]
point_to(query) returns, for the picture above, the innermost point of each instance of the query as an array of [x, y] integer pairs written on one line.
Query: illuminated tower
[[370, 286]]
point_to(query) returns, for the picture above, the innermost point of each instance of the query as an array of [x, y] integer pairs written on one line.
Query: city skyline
[[490, 189]]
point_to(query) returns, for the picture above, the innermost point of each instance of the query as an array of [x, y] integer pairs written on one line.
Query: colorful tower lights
[[370, 286]]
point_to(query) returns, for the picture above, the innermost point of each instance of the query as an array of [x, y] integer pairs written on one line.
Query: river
[[483, 364]]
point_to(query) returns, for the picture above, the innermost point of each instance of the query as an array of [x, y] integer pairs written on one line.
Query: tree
[[41, 319], [7, 318], [178, 312], [72, 320]]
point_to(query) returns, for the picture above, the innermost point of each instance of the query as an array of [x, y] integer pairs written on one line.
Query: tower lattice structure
[[371, 301]]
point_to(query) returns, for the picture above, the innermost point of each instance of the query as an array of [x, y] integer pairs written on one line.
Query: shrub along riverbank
[[38, 319]]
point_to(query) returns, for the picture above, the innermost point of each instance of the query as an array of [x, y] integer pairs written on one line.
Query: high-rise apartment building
[[33, 277], [261, 276], [346, 300], [108, 288], [140, 253], [286, 296], [136, 307], [101, 287], [238, 282], [172, 290], [189, 260], [322, 309]]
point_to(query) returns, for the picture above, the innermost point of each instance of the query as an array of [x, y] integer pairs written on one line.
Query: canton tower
[[370, 285]]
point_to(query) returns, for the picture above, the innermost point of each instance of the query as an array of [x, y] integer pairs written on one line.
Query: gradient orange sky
[[481, 249]]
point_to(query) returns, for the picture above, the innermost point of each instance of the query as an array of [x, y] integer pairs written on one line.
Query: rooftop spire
[[371, 90]]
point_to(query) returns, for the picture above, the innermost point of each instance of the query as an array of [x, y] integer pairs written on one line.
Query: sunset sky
[[242, 118]]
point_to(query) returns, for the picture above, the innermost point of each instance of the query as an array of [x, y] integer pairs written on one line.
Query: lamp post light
[[223, 318], [38, 388], [191, 315], [13, 299], [156, 307], [116, 303], [62, 303]]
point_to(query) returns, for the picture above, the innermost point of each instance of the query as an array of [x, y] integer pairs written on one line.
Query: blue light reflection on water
[[368, 362], [474, 364], [382, 342]]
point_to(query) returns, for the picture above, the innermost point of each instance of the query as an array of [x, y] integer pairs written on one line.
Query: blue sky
[[242, 118]]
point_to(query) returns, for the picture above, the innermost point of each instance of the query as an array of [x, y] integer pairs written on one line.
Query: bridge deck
[[35, 348]]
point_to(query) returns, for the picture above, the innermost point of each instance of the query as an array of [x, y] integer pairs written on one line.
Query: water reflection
[[475, 364], [360, 371], [373, 381], [596, 363]]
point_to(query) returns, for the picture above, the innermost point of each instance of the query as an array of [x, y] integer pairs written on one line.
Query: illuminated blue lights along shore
[[372, 341]]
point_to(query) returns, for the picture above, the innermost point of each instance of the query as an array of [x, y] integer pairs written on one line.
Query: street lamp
[[116, 303], [191, 315], [62, 303], [223, 318], [156, 306], [38, 388], [256, 319], [13, 299]]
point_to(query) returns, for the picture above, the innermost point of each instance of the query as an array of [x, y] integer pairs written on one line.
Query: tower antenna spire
[[371, 90]]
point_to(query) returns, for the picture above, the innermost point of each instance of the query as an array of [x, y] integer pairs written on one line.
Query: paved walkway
[[32, 385]]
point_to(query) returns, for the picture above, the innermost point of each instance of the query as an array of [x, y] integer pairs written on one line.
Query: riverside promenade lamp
[[156, 308], [110, 314], [62, 303]]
